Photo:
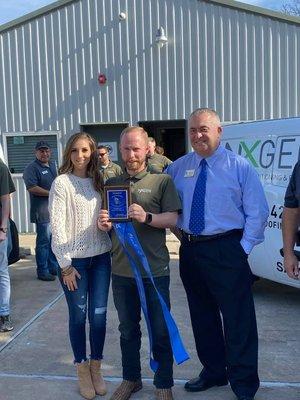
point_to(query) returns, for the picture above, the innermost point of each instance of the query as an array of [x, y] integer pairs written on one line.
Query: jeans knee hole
[[100, 310], [82, 307]]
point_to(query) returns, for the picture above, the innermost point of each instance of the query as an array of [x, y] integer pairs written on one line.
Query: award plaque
[[117, 200]]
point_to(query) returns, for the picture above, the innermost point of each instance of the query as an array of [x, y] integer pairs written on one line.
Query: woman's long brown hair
[[93, 170]]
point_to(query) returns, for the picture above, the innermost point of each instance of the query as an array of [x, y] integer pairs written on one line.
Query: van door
[[259, 151], [286, 156]]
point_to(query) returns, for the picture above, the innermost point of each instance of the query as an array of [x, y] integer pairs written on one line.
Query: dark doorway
[[168, 134], [108, 134]]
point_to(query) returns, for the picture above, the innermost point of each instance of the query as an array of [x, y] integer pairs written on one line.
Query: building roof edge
[[257, 10], [229, 3], [37, 13]]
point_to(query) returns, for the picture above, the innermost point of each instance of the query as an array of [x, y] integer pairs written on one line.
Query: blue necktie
[[197, 211]]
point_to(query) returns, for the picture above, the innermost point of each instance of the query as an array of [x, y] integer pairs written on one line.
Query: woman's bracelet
[[67, 270]]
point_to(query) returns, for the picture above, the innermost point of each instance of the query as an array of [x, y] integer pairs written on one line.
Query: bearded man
[[155, 207]]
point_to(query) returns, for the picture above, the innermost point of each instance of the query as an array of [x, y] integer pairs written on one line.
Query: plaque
[[117, 199]]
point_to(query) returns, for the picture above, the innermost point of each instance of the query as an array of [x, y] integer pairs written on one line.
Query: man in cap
[[108, 169], [38, 177]]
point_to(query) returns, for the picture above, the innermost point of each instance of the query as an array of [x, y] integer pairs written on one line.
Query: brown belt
[[204, 238]]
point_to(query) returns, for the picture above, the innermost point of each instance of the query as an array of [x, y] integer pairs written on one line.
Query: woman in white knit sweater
[[82, 251]]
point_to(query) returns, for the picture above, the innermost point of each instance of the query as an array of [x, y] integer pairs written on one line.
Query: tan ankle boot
[[86, 387], [164, 394], [97, 379]]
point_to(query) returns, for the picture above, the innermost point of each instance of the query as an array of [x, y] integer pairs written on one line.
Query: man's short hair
[[134, 128], [42, 145], [208, 111]]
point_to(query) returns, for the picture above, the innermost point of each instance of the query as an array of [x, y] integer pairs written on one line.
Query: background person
[[108, 169], [159, 150], [6, 187], [155, 207], [38, 177], [290, 223], [157, 162], [82, 251], [224, 217]]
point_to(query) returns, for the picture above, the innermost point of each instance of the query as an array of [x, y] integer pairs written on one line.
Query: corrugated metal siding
[[240, 63], [21, 206]]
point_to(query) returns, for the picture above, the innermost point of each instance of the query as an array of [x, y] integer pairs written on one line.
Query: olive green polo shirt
[[110, 171], [156, 193], [158, 163]]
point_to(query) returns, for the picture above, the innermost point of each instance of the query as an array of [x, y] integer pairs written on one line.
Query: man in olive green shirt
[[108, 169], [157, 163], [6, 188], [155, 206]]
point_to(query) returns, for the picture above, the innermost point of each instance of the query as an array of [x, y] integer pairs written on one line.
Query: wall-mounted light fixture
[[122, 16], [161, 38]]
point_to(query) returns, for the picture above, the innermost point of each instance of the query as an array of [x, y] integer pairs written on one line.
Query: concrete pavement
[[36, 359]]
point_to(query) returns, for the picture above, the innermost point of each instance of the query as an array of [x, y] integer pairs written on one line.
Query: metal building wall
[[243, 64]]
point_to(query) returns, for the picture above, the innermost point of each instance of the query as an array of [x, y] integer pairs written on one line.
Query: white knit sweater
[[74, 206]]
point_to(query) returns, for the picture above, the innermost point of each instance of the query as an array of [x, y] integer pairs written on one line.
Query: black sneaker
[[46, 277], [6, 325]]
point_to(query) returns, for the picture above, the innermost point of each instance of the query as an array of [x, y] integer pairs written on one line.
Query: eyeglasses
[[101, 154]]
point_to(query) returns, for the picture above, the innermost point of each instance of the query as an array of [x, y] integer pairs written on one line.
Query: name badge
[[45, 172], [189, 173]]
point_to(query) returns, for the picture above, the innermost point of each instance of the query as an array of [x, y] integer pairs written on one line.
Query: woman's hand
[[103, 221], [70, 279]]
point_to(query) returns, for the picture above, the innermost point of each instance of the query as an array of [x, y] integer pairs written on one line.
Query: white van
[[272, 147]]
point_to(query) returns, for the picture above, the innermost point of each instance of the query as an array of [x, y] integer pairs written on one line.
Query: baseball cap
[[42, 145]]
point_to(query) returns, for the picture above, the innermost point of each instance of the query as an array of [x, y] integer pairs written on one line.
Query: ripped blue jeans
[[89, 299]]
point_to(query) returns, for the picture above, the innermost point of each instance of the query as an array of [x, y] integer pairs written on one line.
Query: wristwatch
[[3, 230], [148, 218]]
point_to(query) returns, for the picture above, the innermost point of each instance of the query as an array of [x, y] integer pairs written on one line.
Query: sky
[[12, 9]]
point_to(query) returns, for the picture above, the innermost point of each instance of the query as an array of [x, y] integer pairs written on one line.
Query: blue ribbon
[[129, 240]]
